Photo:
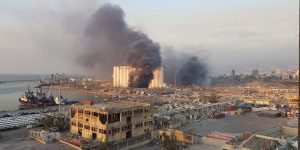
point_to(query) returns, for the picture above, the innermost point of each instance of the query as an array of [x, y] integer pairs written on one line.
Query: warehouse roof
[[116, 105]]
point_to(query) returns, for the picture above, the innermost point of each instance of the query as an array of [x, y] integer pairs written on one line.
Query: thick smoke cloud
[[111, 42], [146, 57], [185, 68], [193, 72]]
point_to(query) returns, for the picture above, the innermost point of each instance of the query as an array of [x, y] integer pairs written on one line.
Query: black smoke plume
[[146, 58], [185, 68], [111, 42], [193, 72]]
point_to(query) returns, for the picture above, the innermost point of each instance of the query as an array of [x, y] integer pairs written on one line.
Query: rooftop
[[233, 124], [116, 105]]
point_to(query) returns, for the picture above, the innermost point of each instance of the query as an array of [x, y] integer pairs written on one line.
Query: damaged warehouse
[[177, 114]]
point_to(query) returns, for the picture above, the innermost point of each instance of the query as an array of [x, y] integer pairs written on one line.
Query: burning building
[[121, 75]]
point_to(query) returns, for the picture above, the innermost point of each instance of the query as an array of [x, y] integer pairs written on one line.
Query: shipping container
[[239, 112], [247, 109], [218, 115], [220, 136], [257, 109], [270, 114], [86, 102], [246, 135], [230, 108], [292, 123]]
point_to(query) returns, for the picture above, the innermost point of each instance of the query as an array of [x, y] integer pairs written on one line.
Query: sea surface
[[12, 87], [19, 77]]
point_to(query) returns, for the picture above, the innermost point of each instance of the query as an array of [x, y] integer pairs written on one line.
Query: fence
[[132, 142]]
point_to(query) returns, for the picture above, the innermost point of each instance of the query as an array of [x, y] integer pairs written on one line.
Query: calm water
[[19, 77], [10, 92]]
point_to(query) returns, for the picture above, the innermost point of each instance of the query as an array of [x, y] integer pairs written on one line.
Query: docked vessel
[[59, 100], [36, 99]]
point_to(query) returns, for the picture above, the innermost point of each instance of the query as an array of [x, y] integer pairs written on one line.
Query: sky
[[47, 36]]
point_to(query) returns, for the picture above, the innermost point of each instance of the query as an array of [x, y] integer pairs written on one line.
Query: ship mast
[[51, 84], [59, 101]]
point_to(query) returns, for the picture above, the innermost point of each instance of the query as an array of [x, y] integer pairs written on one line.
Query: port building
[[112, 121], [121, 76]]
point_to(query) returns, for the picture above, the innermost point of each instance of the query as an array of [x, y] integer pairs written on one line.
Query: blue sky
[[228, 34]]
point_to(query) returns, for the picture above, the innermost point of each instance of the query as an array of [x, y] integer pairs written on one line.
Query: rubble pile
[[180, 112]]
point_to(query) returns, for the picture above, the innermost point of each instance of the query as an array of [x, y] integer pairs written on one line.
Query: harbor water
[[12, 87]]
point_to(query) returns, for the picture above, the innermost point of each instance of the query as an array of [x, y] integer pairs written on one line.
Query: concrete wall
[[131, 143], [289, 131], [258, 100], [213, 141], [179, 136], [259, 140]]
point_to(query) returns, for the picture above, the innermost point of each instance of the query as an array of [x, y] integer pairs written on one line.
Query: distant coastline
[[9, 78], [26, 77], [1, 82]]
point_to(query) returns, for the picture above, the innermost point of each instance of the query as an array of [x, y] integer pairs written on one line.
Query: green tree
[[54, 123]]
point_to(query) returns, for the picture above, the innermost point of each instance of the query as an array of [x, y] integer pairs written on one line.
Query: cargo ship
[[36, 99]]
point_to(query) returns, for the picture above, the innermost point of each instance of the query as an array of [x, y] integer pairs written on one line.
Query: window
[[115, 117], [95, 114], [94, 129], [126, 128], [127, 113], [87, 127], [103, 131], [80, 111], [102, 118], [73, 123], [80, 125], [189, 137], [138, 125], [73, 112], [87, 112], [139, 111], [115, 130]]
